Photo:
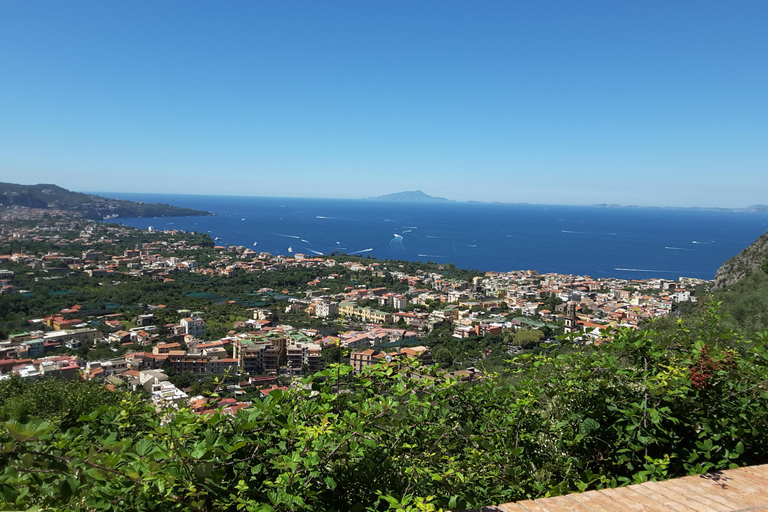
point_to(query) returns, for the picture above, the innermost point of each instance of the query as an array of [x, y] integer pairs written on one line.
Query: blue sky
[[654, 103]]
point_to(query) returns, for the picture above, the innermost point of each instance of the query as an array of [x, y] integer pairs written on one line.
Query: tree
[[648, 405], [333, 354], [51, 399], [527, 338], [443, 356]]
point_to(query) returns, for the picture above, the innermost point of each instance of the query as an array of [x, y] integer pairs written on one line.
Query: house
[[165, 394], [303, 357], [264, 392], [143, 320], [165, 348], [422, 353], [74, 338], [32, 348], [369, 357], [326, 309], [193, 326]]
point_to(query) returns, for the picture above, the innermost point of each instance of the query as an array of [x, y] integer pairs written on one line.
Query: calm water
[[631, 243]]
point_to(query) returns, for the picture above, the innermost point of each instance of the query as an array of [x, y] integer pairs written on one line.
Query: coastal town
[[358, 311], [383, 256]]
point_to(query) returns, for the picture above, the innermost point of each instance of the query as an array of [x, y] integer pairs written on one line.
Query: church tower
[[571, 320]]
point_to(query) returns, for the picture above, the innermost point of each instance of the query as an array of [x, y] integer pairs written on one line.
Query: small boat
[[290, 249], [255, 244]]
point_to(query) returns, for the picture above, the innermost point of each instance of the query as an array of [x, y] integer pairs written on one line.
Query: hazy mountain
[[415, 196]]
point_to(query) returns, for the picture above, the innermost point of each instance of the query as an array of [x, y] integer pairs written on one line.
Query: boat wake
[[645, 270]]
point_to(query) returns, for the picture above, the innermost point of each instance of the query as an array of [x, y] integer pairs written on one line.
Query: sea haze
[[629, 243]]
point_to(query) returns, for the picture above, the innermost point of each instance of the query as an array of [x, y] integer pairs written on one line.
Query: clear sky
[[570, 102]]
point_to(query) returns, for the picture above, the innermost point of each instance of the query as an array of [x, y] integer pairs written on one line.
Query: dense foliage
[[646, 405], [52, 400]]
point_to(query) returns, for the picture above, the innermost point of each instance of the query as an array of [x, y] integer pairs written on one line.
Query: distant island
[[417, 196], [755, 208], [414, 196], [53, 197]]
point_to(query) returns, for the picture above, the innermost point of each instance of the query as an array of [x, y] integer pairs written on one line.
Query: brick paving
[[735, 490]]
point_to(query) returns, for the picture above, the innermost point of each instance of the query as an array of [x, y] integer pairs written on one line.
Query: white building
[[193, 326], [327, 309]]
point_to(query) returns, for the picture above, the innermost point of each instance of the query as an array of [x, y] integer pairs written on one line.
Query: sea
[[599, 241]]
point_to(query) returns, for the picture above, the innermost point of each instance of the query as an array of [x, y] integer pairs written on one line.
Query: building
[[165, 394], [359, 360], [571, 320], [351, 309], [399, 302], [74, 338], [303, 357], [250, 355], [200, 364], [165, 348], [423, 354], [31, 348], [193, 326], [327, 309], [107, 368], [143, 320]]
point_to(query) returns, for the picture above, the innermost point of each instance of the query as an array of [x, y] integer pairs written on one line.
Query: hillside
[[90, 206], [740, 266], [414, 196]]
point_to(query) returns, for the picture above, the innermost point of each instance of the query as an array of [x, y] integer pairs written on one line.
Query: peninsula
[[89, 206]]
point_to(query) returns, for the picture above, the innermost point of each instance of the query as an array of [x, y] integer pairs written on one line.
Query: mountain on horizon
[[413, 196]]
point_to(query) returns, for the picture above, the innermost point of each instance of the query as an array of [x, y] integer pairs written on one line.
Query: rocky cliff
[[747, 261]]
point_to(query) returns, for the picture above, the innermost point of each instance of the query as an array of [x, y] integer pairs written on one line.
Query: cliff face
[[743, 264]]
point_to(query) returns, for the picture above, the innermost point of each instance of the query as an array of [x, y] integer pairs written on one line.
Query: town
[[261, 321]]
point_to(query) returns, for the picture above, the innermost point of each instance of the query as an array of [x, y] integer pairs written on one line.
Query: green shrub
[[643, 406]]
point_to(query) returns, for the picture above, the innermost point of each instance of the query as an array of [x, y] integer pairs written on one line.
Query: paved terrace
[[735, 490]]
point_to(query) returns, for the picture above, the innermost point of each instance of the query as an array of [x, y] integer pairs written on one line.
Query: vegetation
[[527, 338], [647, 405], [748, 261], [52, 400], [90, 206]]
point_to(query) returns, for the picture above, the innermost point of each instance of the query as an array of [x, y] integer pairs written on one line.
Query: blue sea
[[629, 243]]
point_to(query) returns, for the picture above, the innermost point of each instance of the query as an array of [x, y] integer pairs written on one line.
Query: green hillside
[[53, 197]]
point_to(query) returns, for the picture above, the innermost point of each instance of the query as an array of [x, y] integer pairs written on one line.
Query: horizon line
[[449, 201]]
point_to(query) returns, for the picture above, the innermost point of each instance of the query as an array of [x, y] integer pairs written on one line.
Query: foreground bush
[[642, 406]]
